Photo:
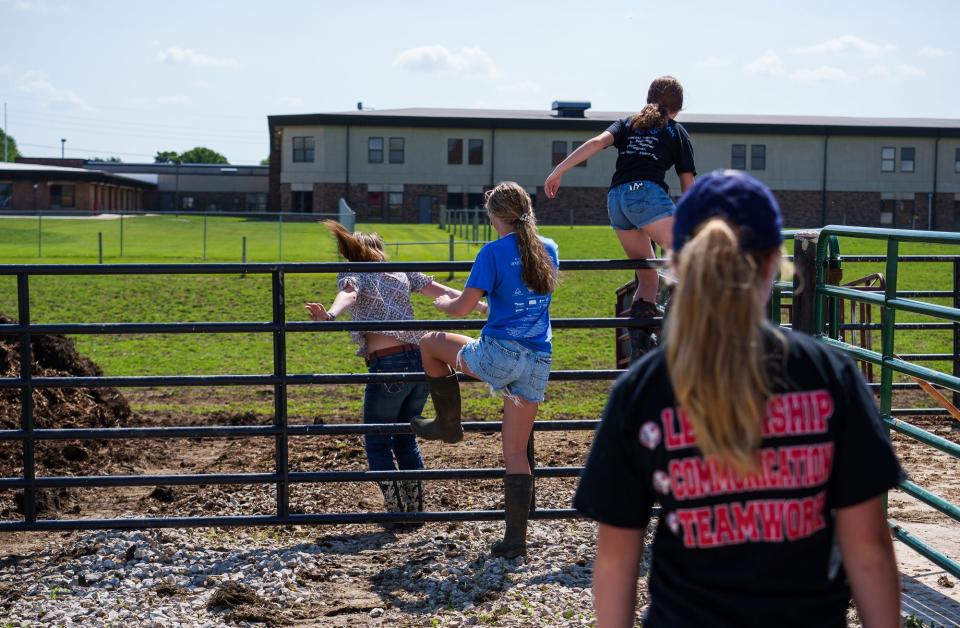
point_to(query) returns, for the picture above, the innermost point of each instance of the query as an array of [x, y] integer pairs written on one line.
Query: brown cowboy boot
[[517, 489], [445, 392]]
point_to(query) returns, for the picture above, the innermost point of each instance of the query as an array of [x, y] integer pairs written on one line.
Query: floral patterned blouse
[[383, 297]]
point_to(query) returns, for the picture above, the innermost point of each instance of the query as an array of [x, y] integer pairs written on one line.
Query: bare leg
[[439, 350], [517, 425], [636, 244], [661, 231]]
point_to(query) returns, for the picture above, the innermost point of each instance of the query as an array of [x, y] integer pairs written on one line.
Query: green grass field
[[169, 239]]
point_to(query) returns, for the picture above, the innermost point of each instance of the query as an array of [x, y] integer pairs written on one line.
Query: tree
[[166, 157], [12, 152], [202, 155], [265, 161]]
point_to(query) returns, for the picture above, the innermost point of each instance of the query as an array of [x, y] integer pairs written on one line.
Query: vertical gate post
[[956, 327], [280, 394], [888, 319], [26, 399], [452, 256], [805, 301]]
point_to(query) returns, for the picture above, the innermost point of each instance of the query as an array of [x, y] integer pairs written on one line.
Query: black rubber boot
[[445, 392], [392, 502], [412, 492], [517, 490], [531, 459], [643, 340]]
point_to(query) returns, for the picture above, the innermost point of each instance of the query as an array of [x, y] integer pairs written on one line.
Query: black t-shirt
[[647, 155], [743, 551]]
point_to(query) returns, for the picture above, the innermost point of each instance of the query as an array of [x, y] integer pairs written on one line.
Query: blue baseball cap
[[739, 198]]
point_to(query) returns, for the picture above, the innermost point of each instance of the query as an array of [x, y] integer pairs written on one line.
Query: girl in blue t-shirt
[[518, 273], [638, 203]]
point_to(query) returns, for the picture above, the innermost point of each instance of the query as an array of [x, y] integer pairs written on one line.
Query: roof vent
[[570, 108]]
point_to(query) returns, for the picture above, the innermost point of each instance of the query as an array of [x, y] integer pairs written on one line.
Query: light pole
[[63, 142]]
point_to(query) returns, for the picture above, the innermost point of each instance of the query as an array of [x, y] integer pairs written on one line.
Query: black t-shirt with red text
[[732, 550], [647, 154]]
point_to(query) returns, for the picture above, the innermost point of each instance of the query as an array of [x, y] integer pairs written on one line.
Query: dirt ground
[[929, 593]]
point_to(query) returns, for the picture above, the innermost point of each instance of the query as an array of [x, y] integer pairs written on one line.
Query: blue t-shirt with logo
[[516, 312]]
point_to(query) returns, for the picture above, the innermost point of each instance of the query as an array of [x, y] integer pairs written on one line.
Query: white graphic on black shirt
[[661, 482], [650, 435], [672, 523]]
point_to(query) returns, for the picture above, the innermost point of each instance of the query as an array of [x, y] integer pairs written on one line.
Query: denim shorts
[[508, 366], [637, 204]]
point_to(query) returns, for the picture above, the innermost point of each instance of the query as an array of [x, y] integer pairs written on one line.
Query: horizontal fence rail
[[890, 301], [280, 430]]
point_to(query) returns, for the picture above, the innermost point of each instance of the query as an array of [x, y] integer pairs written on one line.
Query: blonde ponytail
[[715, 345], [511, 203]]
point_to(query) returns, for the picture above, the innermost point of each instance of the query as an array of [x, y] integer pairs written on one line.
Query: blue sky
[[130, 78]]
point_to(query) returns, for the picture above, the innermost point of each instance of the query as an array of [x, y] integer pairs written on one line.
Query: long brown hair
[[664, 97], [510, 203], [357, 247], [715, 344]]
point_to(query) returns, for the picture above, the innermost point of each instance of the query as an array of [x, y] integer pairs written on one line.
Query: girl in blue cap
[[763, 448], [638, 203]]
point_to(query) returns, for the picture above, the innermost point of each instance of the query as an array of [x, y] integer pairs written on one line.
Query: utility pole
[[5, 136], [63, 142]]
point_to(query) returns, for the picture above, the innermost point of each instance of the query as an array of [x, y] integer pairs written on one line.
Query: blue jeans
[[637, 204], [394, 402], [508, 365]]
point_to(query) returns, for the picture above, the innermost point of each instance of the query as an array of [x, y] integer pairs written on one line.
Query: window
[[375, 150], [396, 150], [395, 203], [956, 161], [559, 152], [301, 201], [907, 156], [256, 202], [475, 152], [738, 156], [187, 202], [454, 152], [375, 203], [758, 157], [302, 149], [62, 195], [888, 159], [474, 200], [6, 192], [574, 146], [454, 200], [887, 208]]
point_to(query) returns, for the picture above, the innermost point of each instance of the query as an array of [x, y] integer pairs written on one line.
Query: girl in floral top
[[377, 296]]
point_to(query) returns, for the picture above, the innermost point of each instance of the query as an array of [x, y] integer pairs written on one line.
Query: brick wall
[[589, 205], [411, 201]]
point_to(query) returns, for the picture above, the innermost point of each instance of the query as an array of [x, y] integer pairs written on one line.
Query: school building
[[45, 183], [404, 165], [41, 187]]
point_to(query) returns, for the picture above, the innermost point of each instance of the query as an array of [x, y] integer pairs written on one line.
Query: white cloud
[[715, 62], [927, 51], [188, 56], [466, 61], [767, 64], [292, 101], [823, 73], [910, 70], [845, 43], [880, 71], [37, 84]]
